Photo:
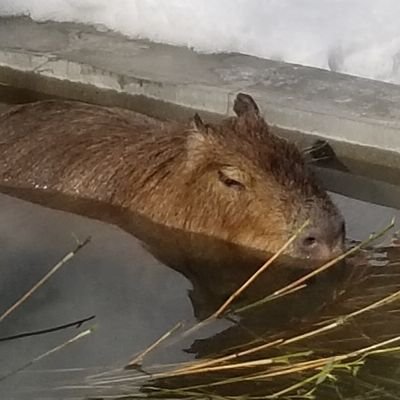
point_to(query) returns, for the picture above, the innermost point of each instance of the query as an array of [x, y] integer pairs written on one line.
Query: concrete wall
[[77, 61]]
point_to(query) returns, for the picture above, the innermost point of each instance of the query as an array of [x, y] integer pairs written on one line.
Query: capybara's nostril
[[314, 245], [309, 241]]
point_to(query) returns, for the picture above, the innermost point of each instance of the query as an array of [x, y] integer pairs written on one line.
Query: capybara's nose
[[322, 243]]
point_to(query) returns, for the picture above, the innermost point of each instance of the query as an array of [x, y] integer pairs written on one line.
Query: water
[[136, 299]]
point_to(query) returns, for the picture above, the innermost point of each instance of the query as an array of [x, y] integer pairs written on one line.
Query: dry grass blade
[[285, 359], [138, 359], [238, 292], [207, 364], [321, 363], [268, 298], [379, 303], [48, 353], [319, 377], [42, 281], [341, 320]]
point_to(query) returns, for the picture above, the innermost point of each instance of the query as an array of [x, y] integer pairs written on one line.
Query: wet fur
[[164, 170]]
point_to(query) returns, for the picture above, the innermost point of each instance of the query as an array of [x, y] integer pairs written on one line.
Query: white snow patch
[[360, 37]]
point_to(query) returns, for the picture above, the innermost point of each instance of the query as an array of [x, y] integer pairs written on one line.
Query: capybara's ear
[[197, 123], [197, 145], [245, 104]]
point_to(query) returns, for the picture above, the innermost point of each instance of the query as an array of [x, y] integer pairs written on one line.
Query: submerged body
[[234, 181]]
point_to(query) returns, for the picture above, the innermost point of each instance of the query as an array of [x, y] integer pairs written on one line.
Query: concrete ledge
[[327, 104]]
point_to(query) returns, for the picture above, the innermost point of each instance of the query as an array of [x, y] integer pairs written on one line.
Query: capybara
[[233, 180]]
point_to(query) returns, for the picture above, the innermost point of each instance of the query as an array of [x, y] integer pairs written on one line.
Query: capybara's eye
[[230, 182]]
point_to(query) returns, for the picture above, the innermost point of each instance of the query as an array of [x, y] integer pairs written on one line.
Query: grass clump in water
[[305, 365]]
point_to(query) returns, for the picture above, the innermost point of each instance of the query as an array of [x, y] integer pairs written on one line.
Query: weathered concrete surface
[[328, 104]]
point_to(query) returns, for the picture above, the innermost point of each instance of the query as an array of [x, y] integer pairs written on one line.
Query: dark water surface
[[135, 299]]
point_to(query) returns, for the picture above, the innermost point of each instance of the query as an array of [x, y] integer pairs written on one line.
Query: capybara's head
[[252, 188]]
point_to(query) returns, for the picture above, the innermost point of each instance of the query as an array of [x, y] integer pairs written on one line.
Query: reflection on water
[[136, 298]]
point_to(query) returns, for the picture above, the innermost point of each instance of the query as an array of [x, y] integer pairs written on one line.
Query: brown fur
[[234, 181]]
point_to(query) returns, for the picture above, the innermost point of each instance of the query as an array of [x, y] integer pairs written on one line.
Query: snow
[[359, 37]]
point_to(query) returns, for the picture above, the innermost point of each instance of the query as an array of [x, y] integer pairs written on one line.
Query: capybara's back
[[234, 180]]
